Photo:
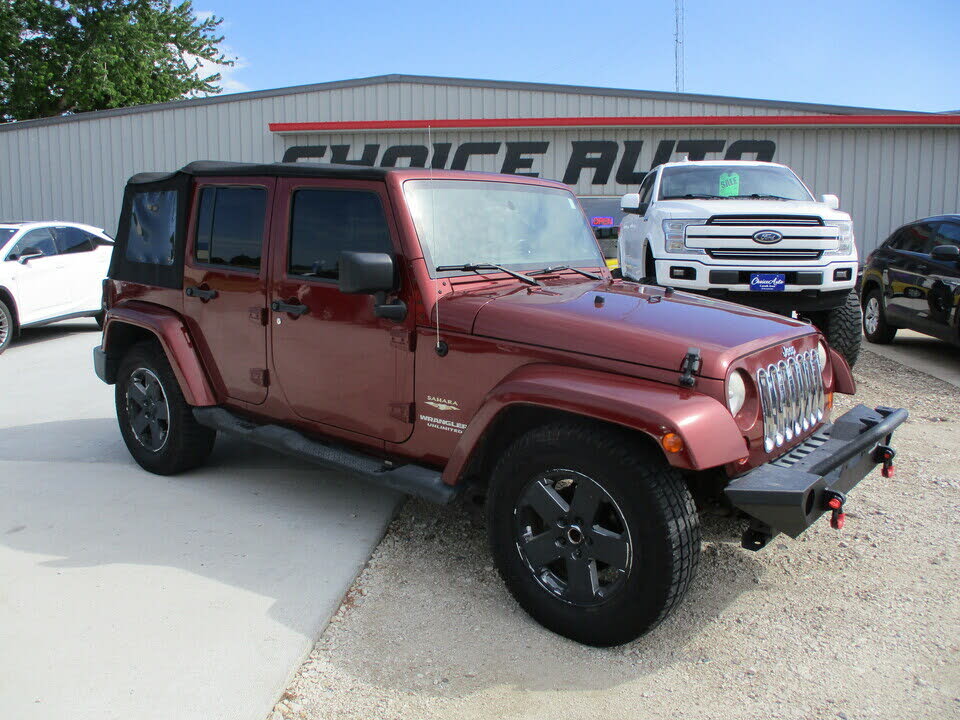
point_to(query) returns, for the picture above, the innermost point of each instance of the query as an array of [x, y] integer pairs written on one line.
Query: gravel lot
[[864, 623]]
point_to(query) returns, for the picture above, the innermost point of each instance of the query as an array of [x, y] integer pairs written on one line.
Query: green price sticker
[[729, 184]]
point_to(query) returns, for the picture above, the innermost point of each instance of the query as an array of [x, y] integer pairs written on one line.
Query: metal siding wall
[[76, 170]]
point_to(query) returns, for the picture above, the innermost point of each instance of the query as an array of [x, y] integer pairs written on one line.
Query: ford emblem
[[767, 237]]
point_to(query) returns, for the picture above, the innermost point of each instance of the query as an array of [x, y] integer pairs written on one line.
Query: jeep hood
[[623, 321], [707, 208]]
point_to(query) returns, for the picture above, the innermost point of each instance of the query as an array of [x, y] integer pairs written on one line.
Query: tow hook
[[835, 501], [885, 454]]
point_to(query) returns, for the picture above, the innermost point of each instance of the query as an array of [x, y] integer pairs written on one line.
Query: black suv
[[913, 281]]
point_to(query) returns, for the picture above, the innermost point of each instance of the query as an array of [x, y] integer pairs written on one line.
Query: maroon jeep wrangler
[[435, 331]]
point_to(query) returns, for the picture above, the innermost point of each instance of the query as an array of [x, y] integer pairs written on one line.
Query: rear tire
[[156, 422], [841, 327], [7, 328], [875, 326], [594, 534]]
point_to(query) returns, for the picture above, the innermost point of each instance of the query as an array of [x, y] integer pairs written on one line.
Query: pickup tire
[[875, 326], [7, 328], [594, 534], [841, 327], [156, 423]]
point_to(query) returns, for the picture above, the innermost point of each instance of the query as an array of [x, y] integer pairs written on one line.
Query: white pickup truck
[[749, 232]]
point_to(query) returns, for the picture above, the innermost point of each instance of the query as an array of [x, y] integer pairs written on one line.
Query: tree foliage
[[65, 56]]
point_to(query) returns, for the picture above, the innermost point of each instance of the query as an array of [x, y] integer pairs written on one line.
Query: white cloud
[[228, 81]]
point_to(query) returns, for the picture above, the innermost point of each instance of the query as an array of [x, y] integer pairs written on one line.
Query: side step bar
[[410, 479]]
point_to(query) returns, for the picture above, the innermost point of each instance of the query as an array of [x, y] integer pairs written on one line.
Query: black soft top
[[201, 168]]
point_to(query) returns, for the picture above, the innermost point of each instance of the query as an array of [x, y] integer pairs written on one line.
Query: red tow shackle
[[834, 503]]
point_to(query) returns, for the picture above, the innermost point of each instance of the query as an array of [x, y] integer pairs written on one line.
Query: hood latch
[[690, 366]]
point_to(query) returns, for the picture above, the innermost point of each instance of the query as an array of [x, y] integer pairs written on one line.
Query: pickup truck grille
[[791, 395], [764, 254], [765, 220]]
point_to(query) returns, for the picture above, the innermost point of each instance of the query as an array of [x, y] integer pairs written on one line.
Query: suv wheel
[[594, 534], [6, 326], [157, 425], [841, 327], [875, 325]]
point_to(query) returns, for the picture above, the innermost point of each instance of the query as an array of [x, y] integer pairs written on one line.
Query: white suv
[[50, 271], [750, 232]]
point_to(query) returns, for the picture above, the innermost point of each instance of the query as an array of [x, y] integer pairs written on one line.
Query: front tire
[[841, 327], [6, 327], [594, 534], [156, 422], [875, 326]]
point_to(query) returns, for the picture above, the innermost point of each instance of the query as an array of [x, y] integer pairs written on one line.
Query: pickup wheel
[[594, 534], [841, 327], [875, 325], [157, 425], [6, 326]]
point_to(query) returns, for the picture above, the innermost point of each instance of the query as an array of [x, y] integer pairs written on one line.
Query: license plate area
[[767, 282]]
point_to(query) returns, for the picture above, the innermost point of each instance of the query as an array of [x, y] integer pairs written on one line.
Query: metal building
[[888, 167]]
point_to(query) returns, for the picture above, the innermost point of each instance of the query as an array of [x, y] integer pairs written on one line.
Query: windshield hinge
[[689, 367]]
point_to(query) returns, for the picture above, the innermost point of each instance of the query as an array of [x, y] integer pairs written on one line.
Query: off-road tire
[[841, 327], [187, 444], [655, 505], [883, 333], [7, 327]]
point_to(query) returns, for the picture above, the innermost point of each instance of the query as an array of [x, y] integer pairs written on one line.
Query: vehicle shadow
[[251, 518], [31, 336]]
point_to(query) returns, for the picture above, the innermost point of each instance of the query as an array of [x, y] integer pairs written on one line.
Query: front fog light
[[822, 356], [736, 392]]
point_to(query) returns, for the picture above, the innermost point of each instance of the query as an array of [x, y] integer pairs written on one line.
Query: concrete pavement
[[128, 595], [922, 352]]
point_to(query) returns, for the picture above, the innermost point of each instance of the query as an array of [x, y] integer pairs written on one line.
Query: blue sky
[[870, 53]]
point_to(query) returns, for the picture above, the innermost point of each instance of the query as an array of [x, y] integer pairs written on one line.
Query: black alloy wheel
[[147, 409], [573, 537]]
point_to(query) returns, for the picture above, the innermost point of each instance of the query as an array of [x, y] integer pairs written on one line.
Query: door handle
[[203, 293], [291, 308]]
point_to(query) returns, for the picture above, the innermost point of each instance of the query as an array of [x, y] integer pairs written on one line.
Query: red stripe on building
[[674, 121]]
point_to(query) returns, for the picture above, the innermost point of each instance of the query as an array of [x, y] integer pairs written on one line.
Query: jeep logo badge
[[788, 351], [767, 237]]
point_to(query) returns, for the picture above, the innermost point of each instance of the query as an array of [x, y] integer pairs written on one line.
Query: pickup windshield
[[523, 227], [731, 181]]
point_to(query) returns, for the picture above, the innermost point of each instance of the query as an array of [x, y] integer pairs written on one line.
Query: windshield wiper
[[558, 268], [477, 267], [760, 196], [694, 196]]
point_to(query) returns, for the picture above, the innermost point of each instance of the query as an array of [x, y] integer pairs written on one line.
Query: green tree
[[65, 56]]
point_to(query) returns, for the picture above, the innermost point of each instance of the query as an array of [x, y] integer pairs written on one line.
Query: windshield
[[524, 227], [731, 181], [6, 234]]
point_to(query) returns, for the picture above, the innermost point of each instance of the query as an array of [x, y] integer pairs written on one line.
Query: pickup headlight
[[673, 236], [845, 237], [736, 392]]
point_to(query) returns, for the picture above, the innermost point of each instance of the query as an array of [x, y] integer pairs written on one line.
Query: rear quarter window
[[153, 224]]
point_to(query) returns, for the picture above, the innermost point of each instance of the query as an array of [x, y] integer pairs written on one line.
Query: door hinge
[[259, 376], [403, 338], [259, 315], [402, 411]]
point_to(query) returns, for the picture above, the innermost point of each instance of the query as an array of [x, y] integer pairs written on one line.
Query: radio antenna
[[678, 79], [433, 231]]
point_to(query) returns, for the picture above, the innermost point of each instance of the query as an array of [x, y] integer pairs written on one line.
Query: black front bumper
[[788, 494]]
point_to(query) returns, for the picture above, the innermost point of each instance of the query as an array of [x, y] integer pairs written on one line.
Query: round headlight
[[822, 356], [736, 392]]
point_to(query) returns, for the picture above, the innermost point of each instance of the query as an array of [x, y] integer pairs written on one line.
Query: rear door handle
[[291, 308], [202, 293]]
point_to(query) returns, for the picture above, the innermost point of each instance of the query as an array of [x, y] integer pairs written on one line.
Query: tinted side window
[[895, 241], [153, 225], [328, 221], [230, 226], [918, 238], [72, 240], [949, 234], [646, 187], [39, 240]]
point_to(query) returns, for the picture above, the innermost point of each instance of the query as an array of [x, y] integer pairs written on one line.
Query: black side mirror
[[367, 273], [28, 254], [946, 253]]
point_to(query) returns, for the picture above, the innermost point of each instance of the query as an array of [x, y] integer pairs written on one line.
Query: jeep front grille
[[791, 395]]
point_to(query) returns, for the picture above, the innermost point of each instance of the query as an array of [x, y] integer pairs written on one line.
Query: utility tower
[[678, 45]]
